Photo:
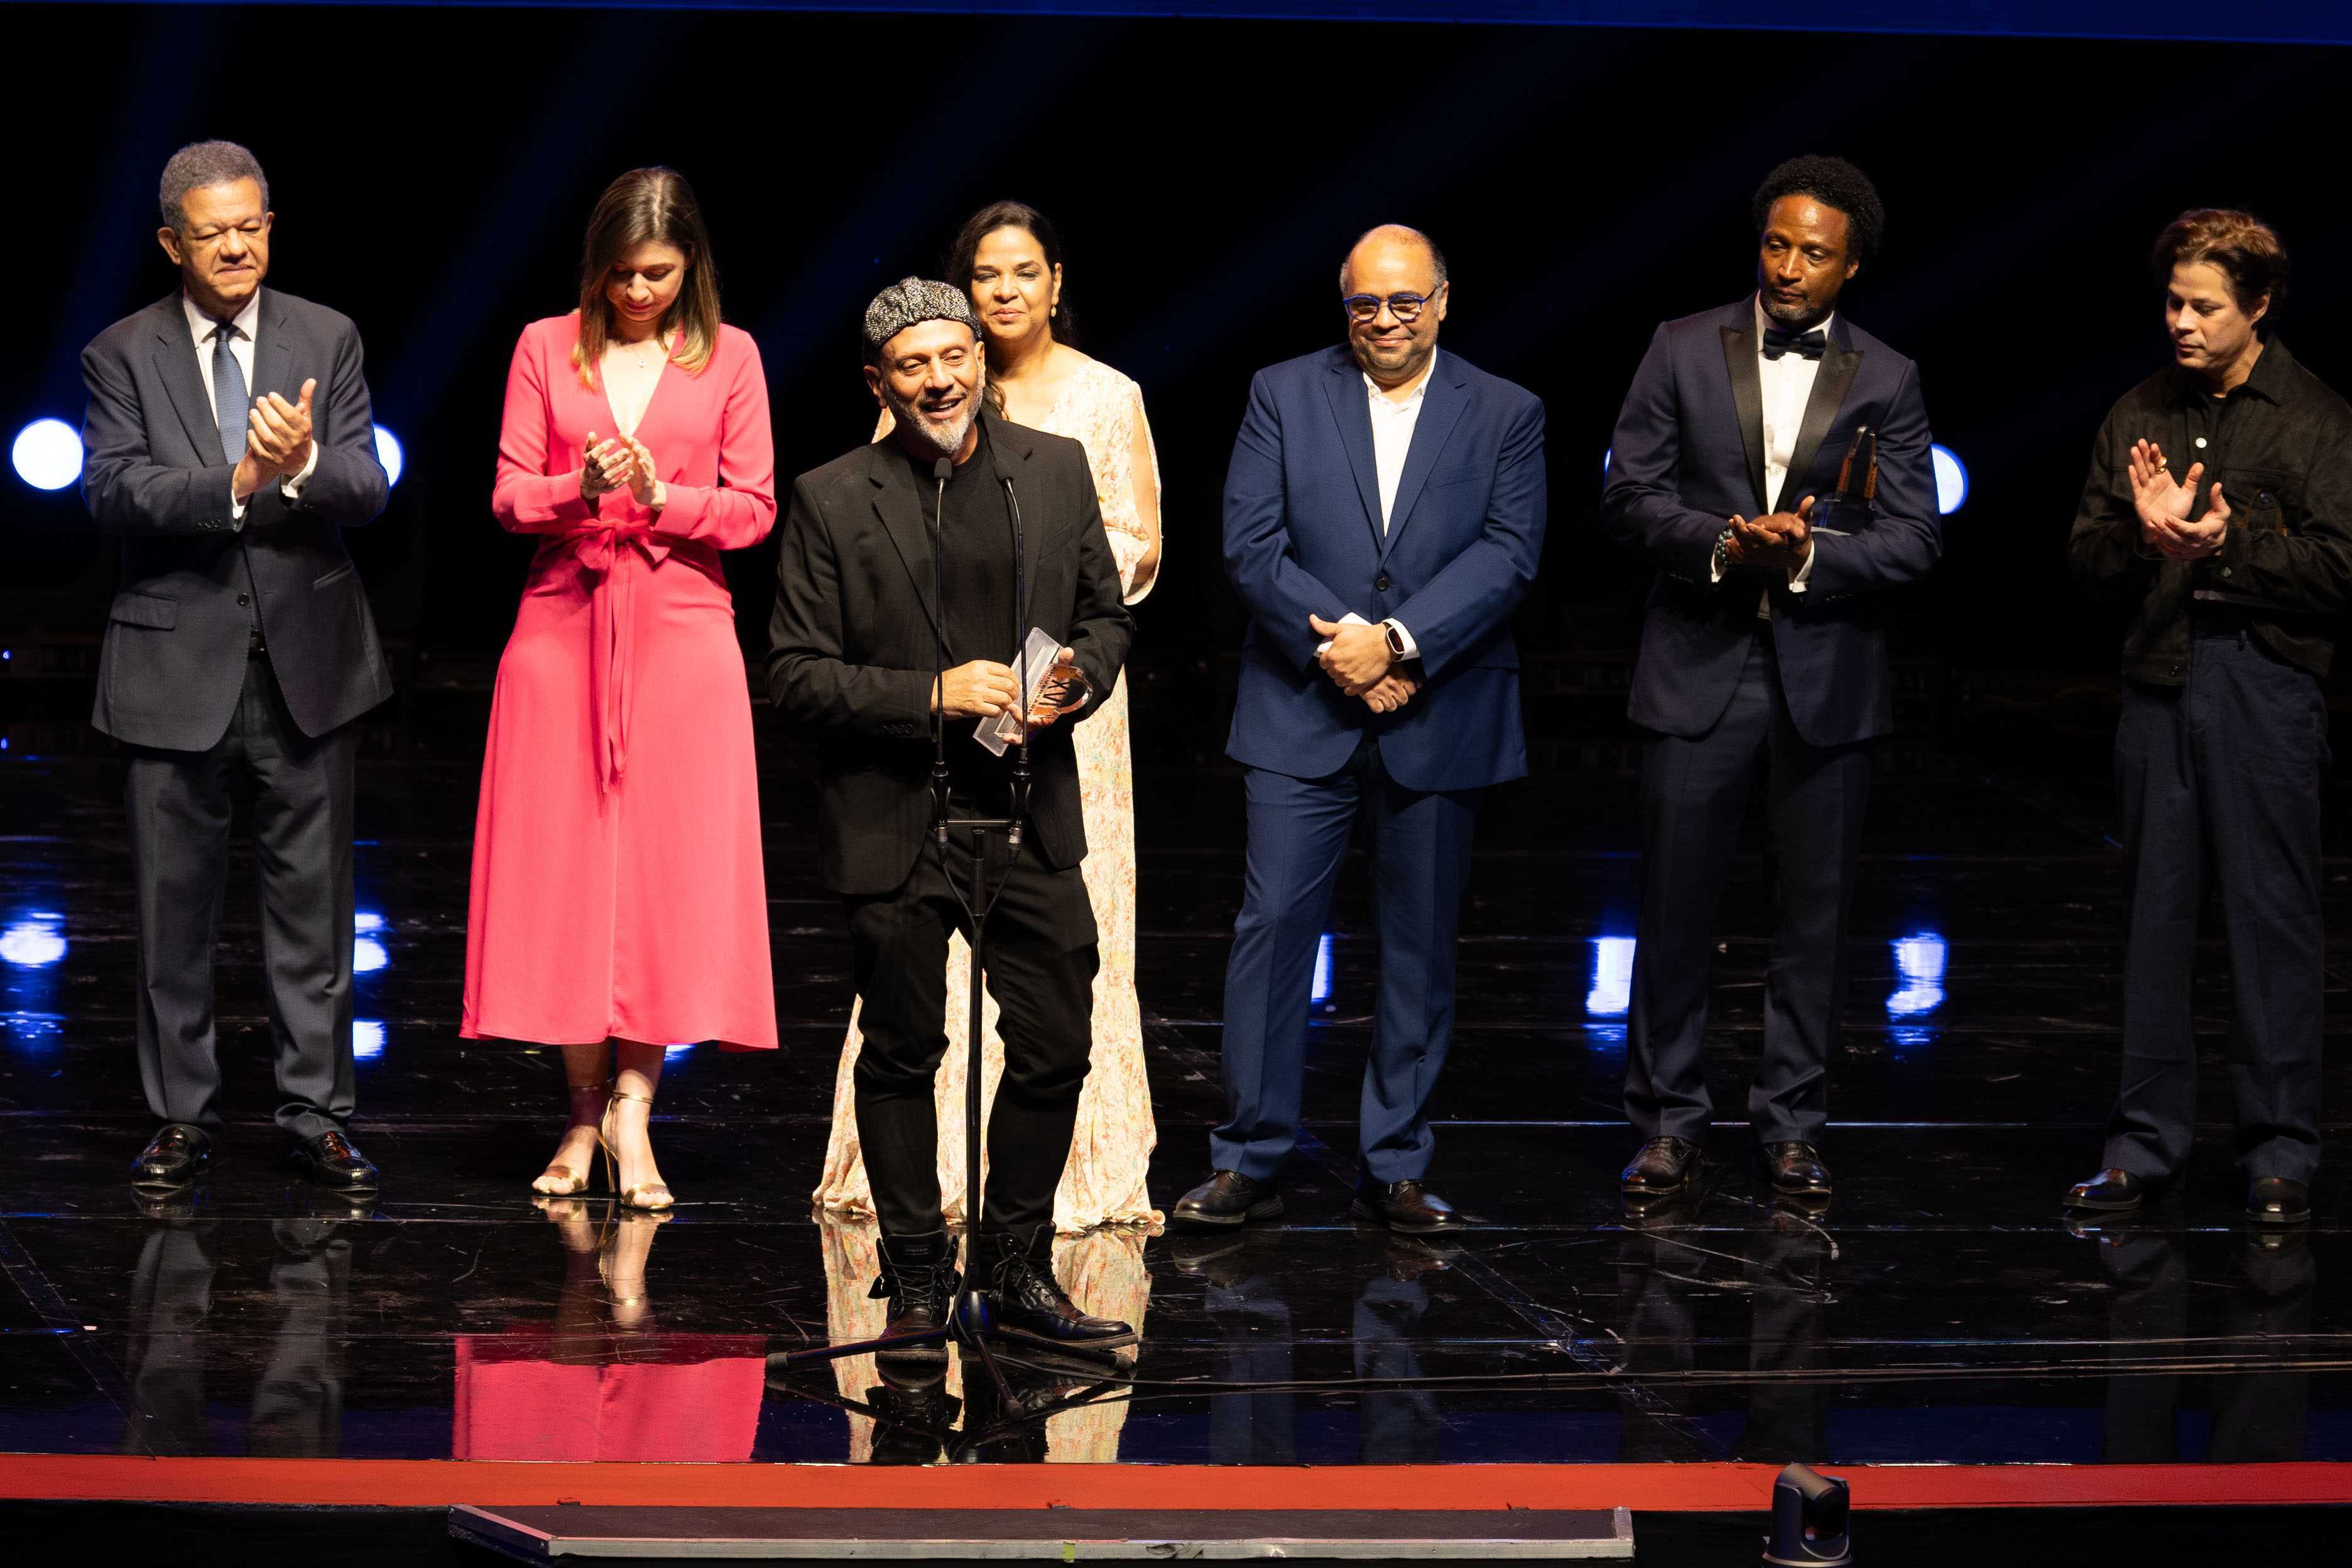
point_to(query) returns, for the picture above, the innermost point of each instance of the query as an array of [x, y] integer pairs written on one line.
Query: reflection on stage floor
[[1941, 1308]]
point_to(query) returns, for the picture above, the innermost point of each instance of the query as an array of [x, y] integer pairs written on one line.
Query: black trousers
[[179, 806], [1040, 963], [1693, 793], [2223, 775]]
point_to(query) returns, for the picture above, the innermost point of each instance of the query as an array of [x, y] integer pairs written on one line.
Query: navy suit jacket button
[[1380, 584]]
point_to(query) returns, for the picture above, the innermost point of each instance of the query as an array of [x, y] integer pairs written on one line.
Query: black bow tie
[[1779, 340]]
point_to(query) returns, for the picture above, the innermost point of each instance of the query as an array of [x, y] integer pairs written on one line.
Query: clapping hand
[[609, 464], [2163, 506], [278, 433], [1359, 657], [644, 478], [1782, 539]]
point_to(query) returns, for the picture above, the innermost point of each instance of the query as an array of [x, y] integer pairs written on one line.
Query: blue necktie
[[229, 392]]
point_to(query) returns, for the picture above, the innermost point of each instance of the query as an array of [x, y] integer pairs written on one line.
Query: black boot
[[919, 1275], [1027, 1303]]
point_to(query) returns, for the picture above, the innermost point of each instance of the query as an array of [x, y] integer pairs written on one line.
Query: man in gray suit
[[229, 443]]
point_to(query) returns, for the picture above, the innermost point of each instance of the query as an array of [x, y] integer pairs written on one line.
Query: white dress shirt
[[1394, 419], [1787, 383], [240, 347]]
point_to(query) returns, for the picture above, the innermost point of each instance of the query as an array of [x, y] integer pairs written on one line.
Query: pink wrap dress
[[617, 886]]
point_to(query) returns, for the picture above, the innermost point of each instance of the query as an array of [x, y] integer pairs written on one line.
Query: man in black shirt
[[852, 657], [2219, 514]]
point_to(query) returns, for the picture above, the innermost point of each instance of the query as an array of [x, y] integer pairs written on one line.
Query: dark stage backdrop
[[431, 169]]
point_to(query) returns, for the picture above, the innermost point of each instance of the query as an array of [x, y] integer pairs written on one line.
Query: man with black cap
[[897, 611]]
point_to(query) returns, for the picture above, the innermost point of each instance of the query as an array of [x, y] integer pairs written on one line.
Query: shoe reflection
[[962, 1415], [1248, 1305], [1668, 1269], [297, 1400], [603, 1380], [2257, 1415]]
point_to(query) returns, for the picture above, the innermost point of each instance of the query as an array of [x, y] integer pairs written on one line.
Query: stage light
[[1919, 965], [1951, 479], [47, 454], [1808, 1521], [388, 453], [1606, 454], [671, 1053], [368, 952], [1612, 977], [1320, 992], [367, 1039], [34, 943]]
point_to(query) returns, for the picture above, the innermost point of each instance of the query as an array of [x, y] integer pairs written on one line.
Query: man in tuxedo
[[883, 551], [229, 444], [1763, 652], [1383, 514]]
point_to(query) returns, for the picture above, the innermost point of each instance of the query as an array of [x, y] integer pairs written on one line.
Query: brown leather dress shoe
[[1406, 1206], [1796, 1170], [1226, 1199], [1662, 1167]]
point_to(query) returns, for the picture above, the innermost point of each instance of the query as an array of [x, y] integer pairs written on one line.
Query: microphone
[[1020, 811], [942, 471]]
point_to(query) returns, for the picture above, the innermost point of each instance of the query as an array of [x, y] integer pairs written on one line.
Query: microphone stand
[[970, 1322]]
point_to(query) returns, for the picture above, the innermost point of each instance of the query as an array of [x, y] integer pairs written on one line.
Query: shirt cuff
[[1715, 559], [1412, 649], [1349, 619], [1797, 578], [291, 486]]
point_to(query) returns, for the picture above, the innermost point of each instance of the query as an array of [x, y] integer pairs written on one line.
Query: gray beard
[[948, 439]]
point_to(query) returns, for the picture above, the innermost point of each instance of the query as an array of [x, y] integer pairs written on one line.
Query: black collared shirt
[[2280, 444], [976, 578]]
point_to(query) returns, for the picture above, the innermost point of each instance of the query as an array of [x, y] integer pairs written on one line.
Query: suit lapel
[[1840, 365], [183, 380], [273, 354], [1345, 389], [1442, 403], [1747, 397], [904, 519]]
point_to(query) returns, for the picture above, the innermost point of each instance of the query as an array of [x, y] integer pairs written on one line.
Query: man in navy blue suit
[[1383, 515], [1763, 652]]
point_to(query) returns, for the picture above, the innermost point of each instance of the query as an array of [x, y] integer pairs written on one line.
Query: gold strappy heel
[[575, 1182], [654, 1196]]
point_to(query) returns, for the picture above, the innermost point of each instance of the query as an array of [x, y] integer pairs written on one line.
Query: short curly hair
[[1833, 182]]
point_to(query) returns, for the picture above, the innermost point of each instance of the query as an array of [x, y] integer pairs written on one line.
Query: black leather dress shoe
[[173, 1157], [1660, 1168], [2112, 1191], [2275, 1200], [1028, 1303], [1796, 1170], [1406, 1206], [1226, 1199], [332, 1162]]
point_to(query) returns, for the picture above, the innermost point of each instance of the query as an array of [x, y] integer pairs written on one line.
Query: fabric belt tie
[[613, 558]]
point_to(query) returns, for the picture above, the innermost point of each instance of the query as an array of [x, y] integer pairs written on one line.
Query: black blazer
[[173, 661], [850, 652], [1689, 452]]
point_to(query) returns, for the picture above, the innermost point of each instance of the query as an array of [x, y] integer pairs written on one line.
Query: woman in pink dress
[[619, 903]]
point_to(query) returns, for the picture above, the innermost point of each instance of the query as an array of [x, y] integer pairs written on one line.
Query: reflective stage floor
[[1941, 1311]]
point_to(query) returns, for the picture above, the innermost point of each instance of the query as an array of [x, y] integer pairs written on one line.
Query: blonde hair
[[647, 206]]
